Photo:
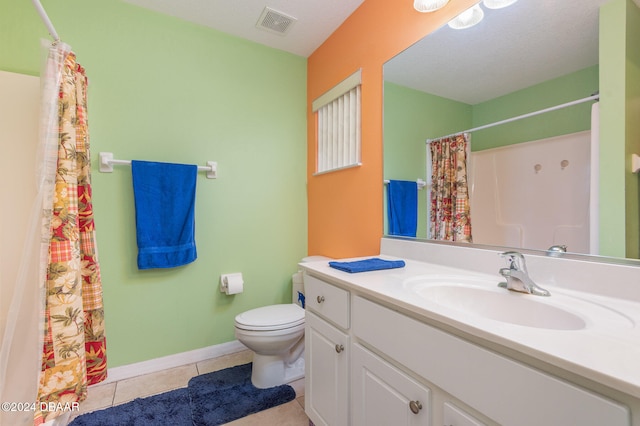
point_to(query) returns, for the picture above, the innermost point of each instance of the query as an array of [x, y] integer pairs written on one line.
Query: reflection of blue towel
[[165, 197], [373, 264], [402, 207]]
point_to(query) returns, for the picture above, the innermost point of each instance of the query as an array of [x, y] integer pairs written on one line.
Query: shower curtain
[[449, 215], [59, 276], [74, 349]]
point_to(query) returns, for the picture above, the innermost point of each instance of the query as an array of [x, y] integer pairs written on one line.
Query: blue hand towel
[[373, 264], [402, 208], [164, 196]]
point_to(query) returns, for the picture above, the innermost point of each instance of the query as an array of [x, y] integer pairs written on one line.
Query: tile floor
[[111, 394]]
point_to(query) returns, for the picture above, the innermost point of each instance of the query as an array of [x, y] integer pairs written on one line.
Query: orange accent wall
[[345, 207]]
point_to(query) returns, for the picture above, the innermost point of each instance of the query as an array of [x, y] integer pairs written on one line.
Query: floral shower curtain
[[450, 218], [74, 346]]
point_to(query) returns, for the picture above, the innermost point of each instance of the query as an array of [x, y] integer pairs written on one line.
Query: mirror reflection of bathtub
[[534, 194]]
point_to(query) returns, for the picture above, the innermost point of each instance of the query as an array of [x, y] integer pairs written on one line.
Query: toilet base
[[269, 371]]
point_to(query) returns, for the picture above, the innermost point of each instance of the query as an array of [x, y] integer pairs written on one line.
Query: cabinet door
[[326, 396], [383, 395]]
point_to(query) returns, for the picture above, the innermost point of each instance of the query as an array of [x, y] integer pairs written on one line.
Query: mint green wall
[[410, 116], [558, 91], [619, 128], [167, 90]]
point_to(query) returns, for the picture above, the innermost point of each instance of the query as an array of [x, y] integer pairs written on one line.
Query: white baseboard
[[176, 360]]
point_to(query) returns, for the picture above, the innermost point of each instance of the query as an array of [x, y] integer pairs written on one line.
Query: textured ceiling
[[527, 43], [316, 20]]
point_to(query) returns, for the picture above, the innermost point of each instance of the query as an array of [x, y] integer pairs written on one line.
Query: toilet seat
[[269, 318]]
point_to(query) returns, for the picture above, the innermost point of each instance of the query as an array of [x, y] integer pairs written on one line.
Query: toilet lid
[[273, 317]]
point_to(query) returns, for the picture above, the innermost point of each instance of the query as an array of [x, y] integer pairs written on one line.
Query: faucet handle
[[515, 259], [556, 250]]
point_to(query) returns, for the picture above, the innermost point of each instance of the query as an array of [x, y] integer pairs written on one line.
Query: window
[[338, 126]]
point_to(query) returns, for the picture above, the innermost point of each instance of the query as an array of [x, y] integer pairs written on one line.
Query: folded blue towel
[[373, 264], [164, 196], [402, 208]]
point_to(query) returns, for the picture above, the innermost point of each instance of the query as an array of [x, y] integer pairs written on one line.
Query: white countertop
[[606, 350]]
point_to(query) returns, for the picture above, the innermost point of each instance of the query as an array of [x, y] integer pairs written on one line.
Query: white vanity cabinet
[[326, 353], [504, 390], [397, 369]]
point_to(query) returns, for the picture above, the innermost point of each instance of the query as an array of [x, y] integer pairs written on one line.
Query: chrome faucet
[[517, 276]]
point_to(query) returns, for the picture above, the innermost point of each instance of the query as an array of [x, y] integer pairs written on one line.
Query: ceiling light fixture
[[498, 4], [468, 18], [425, 6]]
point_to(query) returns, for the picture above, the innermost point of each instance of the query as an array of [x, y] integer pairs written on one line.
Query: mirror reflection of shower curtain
[[449, 213]]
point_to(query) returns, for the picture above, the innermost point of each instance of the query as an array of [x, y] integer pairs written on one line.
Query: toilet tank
[[297, 289]]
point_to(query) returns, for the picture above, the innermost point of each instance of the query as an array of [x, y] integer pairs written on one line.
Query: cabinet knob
[[415, 407], [320, 299], [340, 348]]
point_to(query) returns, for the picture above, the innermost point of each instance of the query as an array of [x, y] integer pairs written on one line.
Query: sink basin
[[485, 299], [505, 306]]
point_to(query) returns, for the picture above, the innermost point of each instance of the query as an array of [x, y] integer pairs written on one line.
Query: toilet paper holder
[[231, 283]]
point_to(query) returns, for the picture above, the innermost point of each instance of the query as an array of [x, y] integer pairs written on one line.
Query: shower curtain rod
[[46, 20], [520, 117]]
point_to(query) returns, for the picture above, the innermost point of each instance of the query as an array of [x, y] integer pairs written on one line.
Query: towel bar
[[107, 162], [421, 183]]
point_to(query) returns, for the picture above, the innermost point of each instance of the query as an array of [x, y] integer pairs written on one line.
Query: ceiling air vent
[[275, 22]]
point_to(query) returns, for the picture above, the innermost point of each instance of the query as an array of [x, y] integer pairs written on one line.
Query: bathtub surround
[[19, 105], [534, 194]]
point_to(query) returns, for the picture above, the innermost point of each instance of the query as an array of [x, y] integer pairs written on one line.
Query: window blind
[[338, 126]]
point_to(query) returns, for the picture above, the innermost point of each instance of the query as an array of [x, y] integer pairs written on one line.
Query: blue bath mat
[[169, 408], [210, 399], [226, 395]]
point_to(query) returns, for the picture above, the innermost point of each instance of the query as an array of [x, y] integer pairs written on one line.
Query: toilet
[[275, 334]]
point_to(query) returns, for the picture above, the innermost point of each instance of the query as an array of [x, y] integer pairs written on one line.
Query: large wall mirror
[[527, 57]]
